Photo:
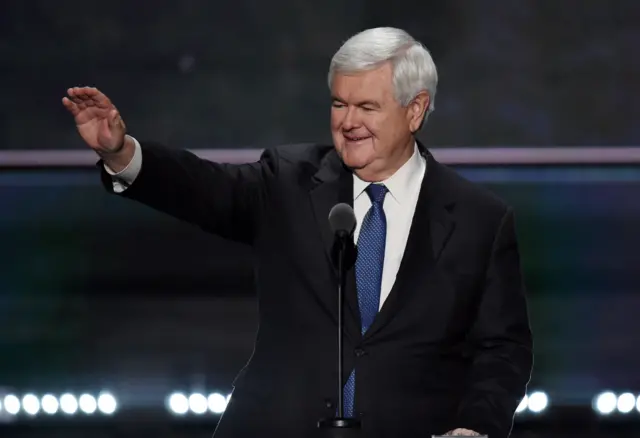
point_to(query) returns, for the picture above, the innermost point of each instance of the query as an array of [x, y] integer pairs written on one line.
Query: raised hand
[[97, 119]]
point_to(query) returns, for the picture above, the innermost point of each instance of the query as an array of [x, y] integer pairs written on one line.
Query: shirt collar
[[398, 184]]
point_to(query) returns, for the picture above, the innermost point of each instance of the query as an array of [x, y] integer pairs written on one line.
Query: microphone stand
[[338, 426]]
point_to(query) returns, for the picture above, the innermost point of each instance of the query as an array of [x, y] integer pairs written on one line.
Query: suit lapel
[[431, 228], [440, 206], [333, 184]]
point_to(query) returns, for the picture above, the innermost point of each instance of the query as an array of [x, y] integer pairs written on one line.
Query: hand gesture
[[97, 119]]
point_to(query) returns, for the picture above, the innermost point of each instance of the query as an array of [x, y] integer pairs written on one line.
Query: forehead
[[374, 84]]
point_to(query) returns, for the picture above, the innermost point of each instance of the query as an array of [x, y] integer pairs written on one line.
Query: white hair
[[413, 68]]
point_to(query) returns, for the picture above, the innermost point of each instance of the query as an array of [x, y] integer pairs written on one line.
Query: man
[[437, 334]]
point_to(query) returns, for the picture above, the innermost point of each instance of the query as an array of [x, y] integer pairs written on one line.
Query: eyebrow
[[360, 103]]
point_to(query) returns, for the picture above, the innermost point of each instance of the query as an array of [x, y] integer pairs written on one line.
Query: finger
[[464, 432], [102, 101], [84, 96], [67, 102], [75, 91], [76, 95], [72, 107], [91, 91], [82, 90], [91, 96], [88, 90]]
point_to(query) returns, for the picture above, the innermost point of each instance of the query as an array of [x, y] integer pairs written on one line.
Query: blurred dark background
[[252, 73], [100, 294]]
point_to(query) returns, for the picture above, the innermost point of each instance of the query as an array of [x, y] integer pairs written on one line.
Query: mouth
[[355, 139]]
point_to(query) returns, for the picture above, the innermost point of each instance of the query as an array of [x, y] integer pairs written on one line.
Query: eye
[[337, 104]]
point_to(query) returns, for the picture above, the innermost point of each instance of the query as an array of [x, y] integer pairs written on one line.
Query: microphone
[[342, 220]]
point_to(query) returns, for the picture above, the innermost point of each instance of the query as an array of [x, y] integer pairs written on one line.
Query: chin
[[355, 165], [356, 156], [355, 160]]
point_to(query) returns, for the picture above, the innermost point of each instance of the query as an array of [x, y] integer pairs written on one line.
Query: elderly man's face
[[371, 131]]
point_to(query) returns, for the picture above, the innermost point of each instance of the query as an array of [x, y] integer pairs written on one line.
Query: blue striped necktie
[[371, 243]]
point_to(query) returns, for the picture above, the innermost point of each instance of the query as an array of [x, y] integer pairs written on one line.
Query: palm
[[93, 126], [97, 119]]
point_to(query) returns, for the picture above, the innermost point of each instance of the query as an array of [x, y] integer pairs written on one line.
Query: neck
[[388, 166]]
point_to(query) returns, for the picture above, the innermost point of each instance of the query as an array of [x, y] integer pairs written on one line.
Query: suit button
[[359, 352], [328, 403]]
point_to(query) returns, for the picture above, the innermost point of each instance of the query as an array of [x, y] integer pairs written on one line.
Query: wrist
[[118, 159], [119, 148]]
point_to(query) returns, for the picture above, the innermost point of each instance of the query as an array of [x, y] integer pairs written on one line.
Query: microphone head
[[342, 219]]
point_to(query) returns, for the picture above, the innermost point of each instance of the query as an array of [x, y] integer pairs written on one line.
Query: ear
[[417, 110]]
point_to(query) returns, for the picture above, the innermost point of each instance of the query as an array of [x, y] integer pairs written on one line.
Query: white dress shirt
[[399, 206], [124, 178]]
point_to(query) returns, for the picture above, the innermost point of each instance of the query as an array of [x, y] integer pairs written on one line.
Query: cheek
[[377, 126], [336, 120], [389, 128]]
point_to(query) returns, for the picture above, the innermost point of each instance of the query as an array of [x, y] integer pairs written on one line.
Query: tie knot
[[377, 193]]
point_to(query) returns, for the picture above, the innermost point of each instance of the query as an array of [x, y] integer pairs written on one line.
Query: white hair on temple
[[413, 68]]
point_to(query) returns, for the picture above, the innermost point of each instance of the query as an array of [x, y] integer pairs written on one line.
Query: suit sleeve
[[503, 342], [224, 199]]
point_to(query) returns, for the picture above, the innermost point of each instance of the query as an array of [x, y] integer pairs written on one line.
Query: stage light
[[538, 402], [198, 404], [68, 404], [87, 404], [31, 404], [626, 403], [217, 403], [524, 403], [638, 404], [11, 404], [606, 403], [178, 403], [50, 404], [107, 403]]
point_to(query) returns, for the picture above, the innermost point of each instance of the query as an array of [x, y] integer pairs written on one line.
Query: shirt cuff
[[126, 177]]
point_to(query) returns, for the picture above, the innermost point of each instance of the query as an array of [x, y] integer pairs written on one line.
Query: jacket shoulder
[[302, 153], [299, 162], [472, 196]]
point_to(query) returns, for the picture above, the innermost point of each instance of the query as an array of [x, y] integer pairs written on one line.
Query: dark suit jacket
[[451, 346]]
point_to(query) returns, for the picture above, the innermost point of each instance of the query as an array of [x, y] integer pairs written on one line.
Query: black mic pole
[[344, 255], [342, 238]]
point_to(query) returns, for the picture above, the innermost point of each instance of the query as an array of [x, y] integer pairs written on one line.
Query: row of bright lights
[[180, 403], [536, 403], [608, 403], [49, 404]]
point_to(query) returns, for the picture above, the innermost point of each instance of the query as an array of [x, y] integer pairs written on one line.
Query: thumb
[[113, 118], [115, 121]]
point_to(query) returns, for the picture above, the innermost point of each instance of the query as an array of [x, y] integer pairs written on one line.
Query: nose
[[351, 119]]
